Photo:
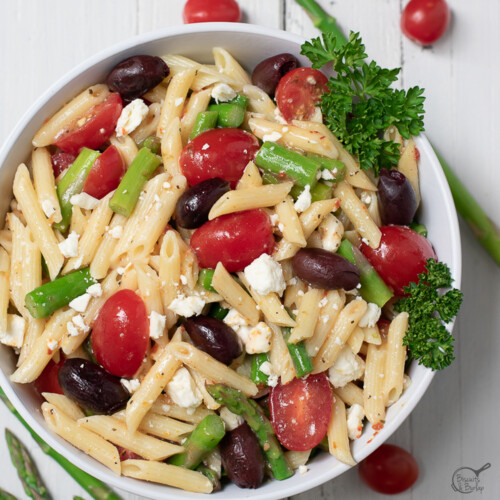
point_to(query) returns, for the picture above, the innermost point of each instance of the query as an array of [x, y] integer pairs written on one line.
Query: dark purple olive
[[268, 72], [324, 269], [136, 75], [214, 337], [194, 204], [398, 202], [242, 457], [92, 386]]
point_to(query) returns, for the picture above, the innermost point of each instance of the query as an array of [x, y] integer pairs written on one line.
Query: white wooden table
[[454, 425]]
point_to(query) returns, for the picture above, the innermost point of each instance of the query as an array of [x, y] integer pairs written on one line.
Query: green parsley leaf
[[361, 104], [429, 309]]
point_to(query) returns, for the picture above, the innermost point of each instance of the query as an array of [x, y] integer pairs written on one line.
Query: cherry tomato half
[[400, 257], [236, 240], [48, 380], [300, 411], [389, 469], [205, 11], [425, 21], [61, 161], [221, 152], [105, 174], [298, 93], [98, 125], [120, 334]]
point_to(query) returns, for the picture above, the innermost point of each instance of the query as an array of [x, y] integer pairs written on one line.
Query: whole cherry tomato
[[221, 152], [389, 469], [400, 257], [105, 174], [425, 21], [300, 411], [204, 11], [121, 333], [47, 380], [97, 126], [236, 240], [61, 161], [299, 92]]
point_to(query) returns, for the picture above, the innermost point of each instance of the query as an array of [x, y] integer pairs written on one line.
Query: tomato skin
[[235, 239], [204, 11], [300, 411], [96, 130], [105, 174], [127, 454], [299, 92], [389, 469], [61, 162], [425, 21], [400, 257], [48, 380], [121, 333], [228, 153]]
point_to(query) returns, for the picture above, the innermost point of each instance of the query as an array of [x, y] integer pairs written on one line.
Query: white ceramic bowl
[[249, 44]]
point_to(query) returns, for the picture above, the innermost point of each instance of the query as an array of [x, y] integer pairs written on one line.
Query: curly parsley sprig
[[361, 104], [427, 337]]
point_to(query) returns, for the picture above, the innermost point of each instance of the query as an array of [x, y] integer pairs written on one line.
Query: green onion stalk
[[482, 226], [95, 488]]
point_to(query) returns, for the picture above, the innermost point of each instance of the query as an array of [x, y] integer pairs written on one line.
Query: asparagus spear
[[205, 277], [95, 488], [205, 437], [5, 495], [153, 143], [482, 226], [211, 475], [238, 403], [256, 375], [301, 360], [205, 120], [26, 468]]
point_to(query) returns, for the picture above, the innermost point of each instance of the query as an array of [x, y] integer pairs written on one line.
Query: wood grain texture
[[454, 425]]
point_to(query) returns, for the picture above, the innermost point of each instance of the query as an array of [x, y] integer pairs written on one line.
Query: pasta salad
[[198, 277]]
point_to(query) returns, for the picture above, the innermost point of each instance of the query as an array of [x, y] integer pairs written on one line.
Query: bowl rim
[[139, 487]]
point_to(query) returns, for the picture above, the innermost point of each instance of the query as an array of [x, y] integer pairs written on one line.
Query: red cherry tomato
[[236, 240], [127, 454], [105, 174], [300, 411], [222, 152], [298, 93], [48, 380], [61, 161], [206, 11], [100, 123], [389, 469], [400, 257], [425, 21], [120, 334]]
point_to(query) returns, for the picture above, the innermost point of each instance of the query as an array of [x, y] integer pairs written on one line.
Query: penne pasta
[[338, 439]]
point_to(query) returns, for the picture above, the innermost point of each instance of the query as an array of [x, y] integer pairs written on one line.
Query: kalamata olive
[[194, 205], [268, 72], [398, 202], [92, 386], [242, 457], [324, 269], [136, 75], [214, 337]]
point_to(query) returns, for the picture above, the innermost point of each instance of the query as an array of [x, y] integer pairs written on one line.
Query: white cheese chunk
[[79, 322], [272, 137], [80, 303], [48, 209], [183, 391], [131, 385], [131, 117], [235, 319], [156, 325], [14, 335], [272, 380], [355, 416], [222, 92], [116, 232], [187, 306], [230, 419], [52, 344], [303, 469], [348, 367], [95, 290], [265, 275], [69, 247], [371, 316], [304, 200], [266, 368], [84, 200], [256, 338]]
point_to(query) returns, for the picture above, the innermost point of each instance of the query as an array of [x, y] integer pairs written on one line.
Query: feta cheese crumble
[[304, 200], [235, 319], [230, 419], [52, 344], [183, 391], [347, 367], [256, 338], [303, 469], [13, 336], [84, 200], [222, 92], [95, 290], [187, 306], [131, 385], [371, 316], [116, 232], [156, 325], [355, 416], [69, 246], [48, 209], [80, 303], [131, 117], [265, 275]]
